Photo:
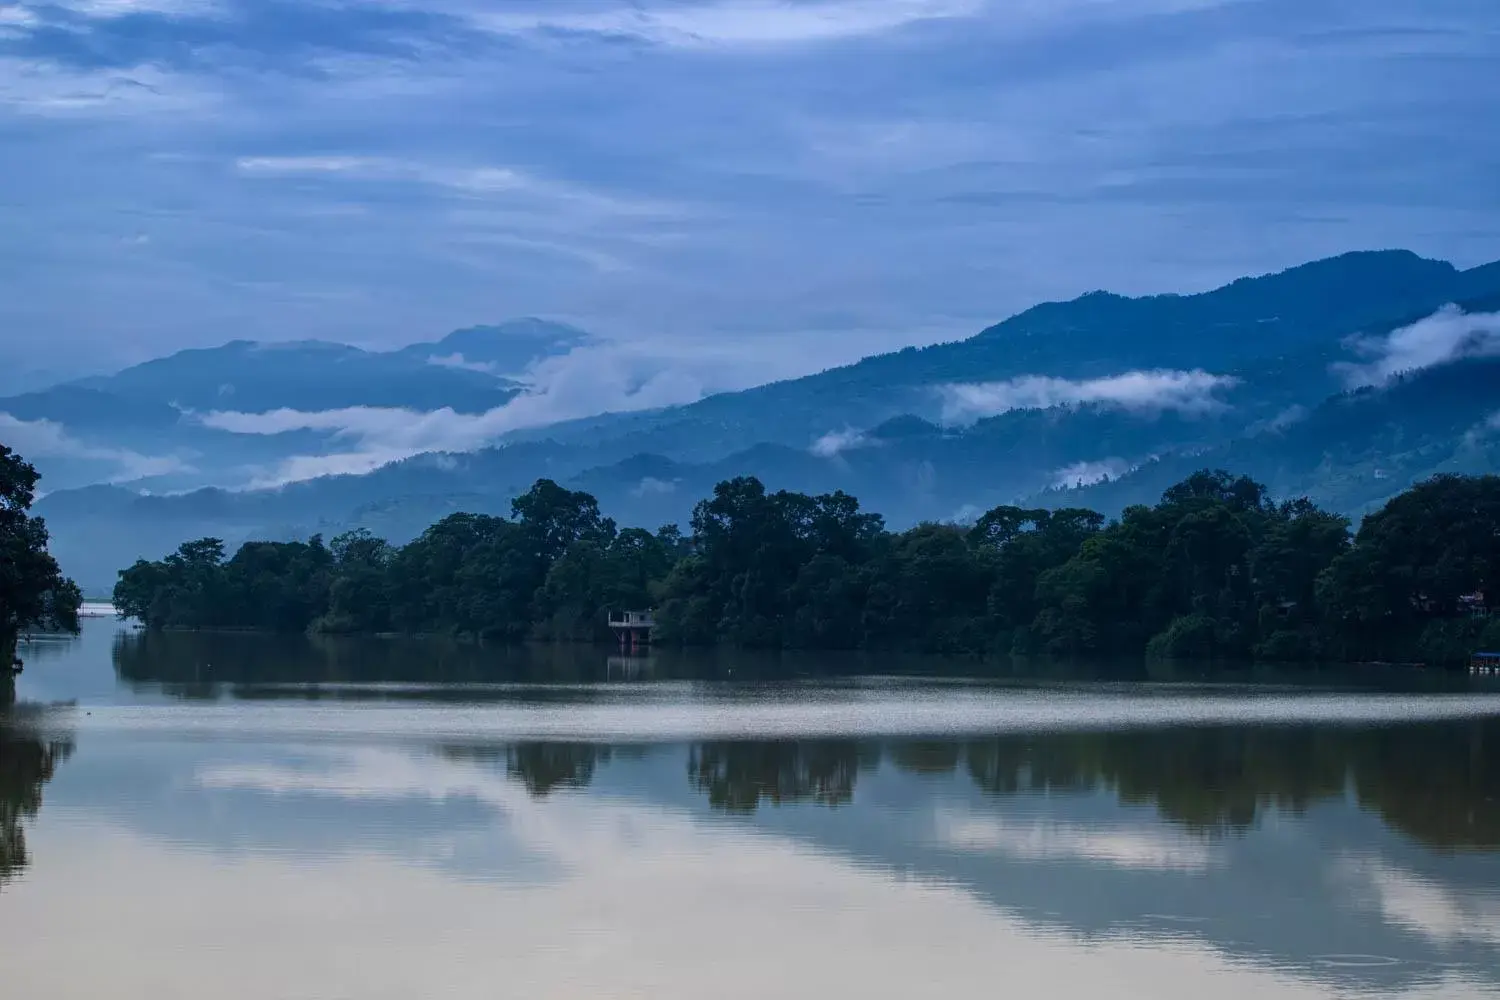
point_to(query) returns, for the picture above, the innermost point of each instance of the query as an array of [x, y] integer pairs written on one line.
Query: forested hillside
[[1345, 380]]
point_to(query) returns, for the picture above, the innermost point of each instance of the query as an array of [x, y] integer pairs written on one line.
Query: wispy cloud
[[1447, 335], [1191, 392], [729, 22], [41, 88], [587, 381], [650, 486], [16, 16], [1482, 431], [1089, 473], [473, 181], [1289, 417], [43, 439], [462, 363], [834, 443], [124, 8]]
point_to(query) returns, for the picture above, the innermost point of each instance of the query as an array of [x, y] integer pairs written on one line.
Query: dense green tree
[[424, 572], [33, 592], [928, 592], [359, 596], [1412, 566], [1215, 570], [552, 518], [279, 587], [1027, 544], [1298, 544]]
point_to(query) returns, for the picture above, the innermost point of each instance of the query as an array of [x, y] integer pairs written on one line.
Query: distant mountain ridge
[[1264, 350], [313, 375], [507, 350], [156, 408], [1304, 310]]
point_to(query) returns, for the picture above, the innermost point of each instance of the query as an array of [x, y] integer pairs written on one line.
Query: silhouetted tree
[[33, 592]]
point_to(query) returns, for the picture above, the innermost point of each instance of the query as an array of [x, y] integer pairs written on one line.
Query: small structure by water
[[632, 628], [1485, 663]]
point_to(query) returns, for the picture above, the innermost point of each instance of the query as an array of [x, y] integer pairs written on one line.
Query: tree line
[[1216, 569]]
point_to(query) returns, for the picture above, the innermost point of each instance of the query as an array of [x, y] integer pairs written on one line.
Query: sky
[[807, 180]]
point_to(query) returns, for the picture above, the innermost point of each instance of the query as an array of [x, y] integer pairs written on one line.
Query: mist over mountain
[[159, 425], [1347, 379]]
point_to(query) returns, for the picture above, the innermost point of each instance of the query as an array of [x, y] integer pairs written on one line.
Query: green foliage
[[33, 592], [1215, 570], [1189, 637], [1427, 560]]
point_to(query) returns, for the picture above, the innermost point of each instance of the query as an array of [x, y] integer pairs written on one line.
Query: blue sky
[[807, 181]]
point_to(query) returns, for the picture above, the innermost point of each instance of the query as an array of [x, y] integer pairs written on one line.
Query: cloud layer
[[589, 380], [1191, 392], [181, 172], [1446, 336], [44, 439]]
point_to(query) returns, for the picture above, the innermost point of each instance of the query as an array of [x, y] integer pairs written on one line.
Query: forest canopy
[[1216, 569]]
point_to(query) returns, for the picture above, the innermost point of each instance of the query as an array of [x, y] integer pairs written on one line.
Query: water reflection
[[738, 777], [542, 768], [208, 665], [28, 760], [1159, 843], [437, 845], [1433, 782]]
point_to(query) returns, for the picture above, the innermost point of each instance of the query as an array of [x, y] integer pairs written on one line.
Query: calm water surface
[[244, 817]]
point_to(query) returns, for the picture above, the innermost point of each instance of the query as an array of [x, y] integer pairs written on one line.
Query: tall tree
[[33, 592]]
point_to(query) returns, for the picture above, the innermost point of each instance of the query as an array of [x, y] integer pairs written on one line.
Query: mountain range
[[1343, 379]]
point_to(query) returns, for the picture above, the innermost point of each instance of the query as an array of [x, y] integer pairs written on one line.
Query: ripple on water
[[1355, 961], [709, 712]]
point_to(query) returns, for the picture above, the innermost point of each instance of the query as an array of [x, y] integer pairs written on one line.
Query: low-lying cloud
[[835, 443], [1090, 473], [590, 380], [464, 364], [1448, 335], [650, 486], [1483, 431], [1191, 392], [43, 439]]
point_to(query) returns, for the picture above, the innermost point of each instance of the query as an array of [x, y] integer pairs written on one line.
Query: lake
[[240, 816]]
